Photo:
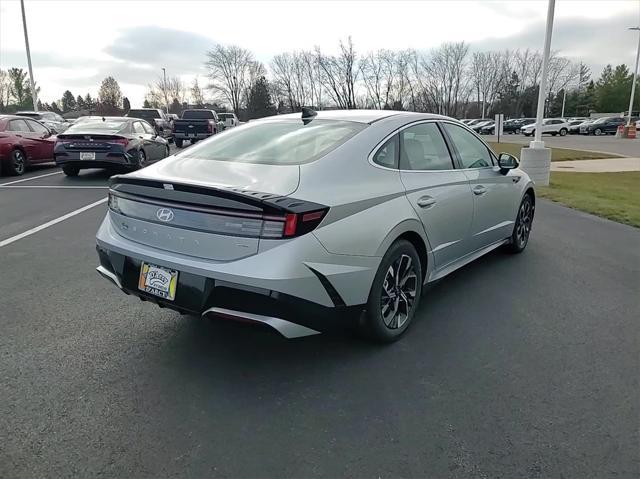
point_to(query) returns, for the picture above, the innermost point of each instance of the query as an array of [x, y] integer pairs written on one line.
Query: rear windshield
[[276, 142], [197, 115], [144, 114], [225, 115], [30, 115], [108, 126]]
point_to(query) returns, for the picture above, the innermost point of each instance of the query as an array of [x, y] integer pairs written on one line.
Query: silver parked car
[[305, 224]]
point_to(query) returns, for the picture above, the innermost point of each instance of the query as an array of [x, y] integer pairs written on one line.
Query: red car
[[23, 142]]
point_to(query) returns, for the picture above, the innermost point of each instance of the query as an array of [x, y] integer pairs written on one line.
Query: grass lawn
[[611, 195], [557, 154]]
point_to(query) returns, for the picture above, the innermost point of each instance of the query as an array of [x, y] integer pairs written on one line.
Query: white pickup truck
[[228, 120]]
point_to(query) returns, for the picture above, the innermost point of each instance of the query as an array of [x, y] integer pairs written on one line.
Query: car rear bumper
[[102, 160], [298, 283]]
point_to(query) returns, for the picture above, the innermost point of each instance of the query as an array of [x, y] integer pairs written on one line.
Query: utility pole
[[635, 77], [164, 88], [564, 99], [34, 95]]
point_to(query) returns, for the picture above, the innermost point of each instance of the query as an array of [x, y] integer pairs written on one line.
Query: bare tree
[[231, 70], [197, 97], [161, 92], [339, 75]]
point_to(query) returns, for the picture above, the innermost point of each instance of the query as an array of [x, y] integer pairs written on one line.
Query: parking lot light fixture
[[34, 93], [537, 142], [635, 77]]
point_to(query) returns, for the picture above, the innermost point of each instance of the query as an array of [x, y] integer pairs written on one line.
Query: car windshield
[[108, 126], [197, 115], [144, 114], [225, 115], [276, 142]]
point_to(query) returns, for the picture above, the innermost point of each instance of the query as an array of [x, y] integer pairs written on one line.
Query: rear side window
[[387, 154], [273, 142], [37, 127], [138, 128], [146, 114], [148, 128], [472, 152], [423, 148]]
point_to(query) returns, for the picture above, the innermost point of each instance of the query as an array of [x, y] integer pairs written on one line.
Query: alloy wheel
[[142, 159], [523, 227], [398, 292], [19, 162]]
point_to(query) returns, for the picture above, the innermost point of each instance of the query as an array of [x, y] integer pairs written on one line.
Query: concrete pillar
[[537, 164]]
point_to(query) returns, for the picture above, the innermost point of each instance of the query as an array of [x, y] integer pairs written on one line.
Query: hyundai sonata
[[308, 223]]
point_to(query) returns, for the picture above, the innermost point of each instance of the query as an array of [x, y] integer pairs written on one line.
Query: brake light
[[119, 141], [290, 222], [209, 127], [297, 224]]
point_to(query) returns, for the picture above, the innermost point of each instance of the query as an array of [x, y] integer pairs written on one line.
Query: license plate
[[87, 155], [159, 281]]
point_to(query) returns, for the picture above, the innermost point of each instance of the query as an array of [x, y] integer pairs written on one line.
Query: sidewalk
[[609, 165]]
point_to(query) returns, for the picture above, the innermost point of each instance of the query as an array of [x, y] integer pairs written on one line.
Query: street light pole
[[635, 77], [164, 88], [537, 142], [564, 100], [34, 94]]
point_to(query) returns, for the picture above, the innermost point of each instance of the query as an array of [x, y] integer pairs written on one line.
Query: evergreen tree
[[80, 103], [126, 104], [259, 103], [146, 104], [68, 102]]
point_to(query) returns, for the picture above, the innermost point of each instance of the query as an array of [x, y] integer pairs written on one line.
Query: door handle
[[426, 201], [479, 190]]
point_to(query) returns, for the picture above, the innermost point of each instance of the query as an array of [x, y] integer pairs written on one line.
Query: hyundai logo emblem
[[164, 214]]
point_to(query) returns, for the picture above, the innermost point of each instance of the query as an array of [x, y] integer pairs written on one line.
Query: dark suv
[[604, 126]]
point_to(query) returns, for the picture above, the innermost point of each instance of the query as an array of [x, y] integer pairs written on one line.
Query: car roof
[[360, 116]]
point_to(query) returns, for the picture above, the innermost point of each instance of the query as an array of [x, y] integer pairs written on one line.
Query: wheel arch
[[413, 232]]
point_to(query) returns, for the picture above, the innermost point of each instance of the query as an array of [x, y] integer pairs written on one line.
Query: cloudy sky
[[75, 44]]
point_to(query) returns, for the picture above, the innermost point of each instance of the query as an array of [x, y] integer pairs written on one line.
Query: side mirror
[[507, 162]]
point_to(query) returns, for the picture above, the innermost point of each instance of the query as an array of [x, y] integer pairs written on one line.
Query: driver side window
[[472, 152]]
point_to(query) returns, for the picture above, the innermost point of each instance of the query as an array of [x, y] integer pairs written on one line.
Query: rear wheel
[[167, 151], [178, 142], [517, 131], [17, 163], [142, 159], [70, 170], [395, 293], [522, 227]]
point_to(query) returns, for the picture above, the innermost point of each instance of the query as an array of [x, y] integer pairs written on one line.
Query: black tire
[[194, 141], [178, 142], [563, 132], [142, 158], [70, 170], [16, 164], [597, 132], [394, 298], [517, 132], [554, 133], [167, 151], [522, 227]]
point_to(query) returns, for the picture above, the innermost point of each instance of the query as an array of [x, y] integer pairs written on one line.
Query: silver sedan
[[314, 221]]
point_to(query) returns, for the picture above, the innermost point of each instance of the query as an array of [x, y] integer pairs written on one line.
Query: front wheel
[[517, 131], [597, 132], [522, 227], [395, 293], [563, 132], [70, 170], [178, 142]]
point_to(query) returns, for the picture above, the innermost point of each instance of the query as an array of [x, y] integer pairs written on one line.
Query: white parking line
[[15, 238], [63, 187], [31, 178]]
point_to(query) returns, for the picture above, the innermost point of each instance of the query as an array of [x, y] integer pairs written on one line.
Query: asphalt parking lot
[[516, 366], [609, 143]]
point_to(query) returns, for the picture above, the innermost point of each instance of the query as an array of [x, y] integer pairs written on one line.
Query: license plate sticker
[[159, 281], [87, 155]]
